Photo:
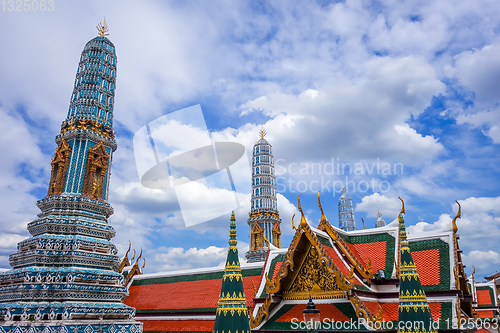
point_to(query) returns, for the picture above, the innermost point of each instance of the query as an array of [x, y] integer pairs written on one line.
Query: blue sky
[[411, 83]]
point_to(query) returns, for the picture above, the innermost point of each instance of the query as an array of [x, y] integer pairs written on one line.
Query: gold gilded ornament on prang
[[102, 29]]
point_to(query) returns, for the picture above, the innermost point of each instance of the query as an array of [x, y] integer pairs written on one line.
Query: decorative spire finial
[[379, 215], [303, 222], [102, 28], [323, 217], [402, 208], [363, 223], [343, 190], [262, 132], [459, 215]]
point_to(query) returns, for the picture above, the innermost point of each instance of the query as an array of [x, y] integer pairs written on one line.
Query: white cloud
[[175, 258], [372, 204], [482, 259]]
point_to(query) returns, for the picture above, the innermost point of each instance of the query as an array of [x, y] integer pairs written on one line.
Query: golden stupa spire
[[343, 190], [262, 132], [102, 28]]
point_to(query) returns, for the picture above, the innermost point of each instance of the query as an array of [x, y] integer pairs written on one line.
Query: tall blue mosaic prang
[[64, 277]]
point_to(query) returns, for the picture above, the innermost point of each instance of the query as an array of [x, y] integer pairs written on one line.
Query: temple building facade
[[66, 276], [368, 277], [264, 219]]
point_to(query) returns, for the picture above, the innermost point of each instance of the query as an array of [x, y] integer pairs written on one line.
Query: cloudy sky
[[390, 98]]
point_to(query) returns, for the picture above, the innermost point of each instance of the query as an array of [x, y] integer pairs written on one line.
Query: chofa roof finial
[[459, 215]]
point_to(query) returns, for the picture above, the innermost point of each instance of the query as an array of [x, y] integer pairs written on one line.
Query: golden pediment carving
[[314, 279]]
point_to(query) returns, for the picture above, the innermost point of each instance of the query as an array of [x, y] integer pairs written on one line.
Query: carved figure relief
[[59, 167], [313, 276], [95, 172]]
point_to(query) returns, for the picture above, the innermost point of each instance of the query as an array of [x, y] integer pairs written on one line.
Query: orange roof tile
[[179, 325], [329, 311], [183, 295], [390, 310], [376, 251], [276, 269], [428, 266], [485, 314], [336, 260], [483, 297]]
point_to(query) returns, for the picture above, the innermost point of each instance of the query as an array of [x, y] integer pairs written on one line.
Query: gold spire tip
[[323, 217], [262, 132], [379, 215], [343, 190], [102, 28], [402, 208], [459, 216], [302, 218]]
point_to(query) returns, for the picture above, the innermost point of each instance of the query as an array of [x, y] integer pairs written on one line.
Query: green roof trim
[[274, 262], [492, 297], [324, 241], [375, 238], [361, 287], [445, 322], [194, 277], [444, 261]]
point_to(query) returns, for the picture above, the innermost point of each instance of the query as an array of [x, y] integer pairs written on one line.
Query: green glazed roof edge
[[194, 277]]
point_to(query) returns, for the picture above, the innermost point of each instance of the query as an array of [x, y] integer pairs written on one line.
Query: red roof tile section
[[428, 267], [276, 269], [329, 311], [179, 325], [483, 297], [183, 295], [376, 251], [485, 314], [390, 310], [336, 260]]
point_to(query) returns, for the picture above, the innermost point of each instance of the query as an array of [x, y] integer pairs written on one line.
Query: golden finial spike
[[102, 28], [143, 265], [459, 215], [343, 190], [403, 208], [474, 272], [262, 132], [379, 215], [293, 224], [323, 217], [363, 223], [140, 255], [303, 222]]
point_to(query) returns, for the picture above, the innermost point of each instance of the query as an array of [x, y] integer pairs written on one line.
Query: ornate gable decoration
[[324, 225], [308, 269]]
